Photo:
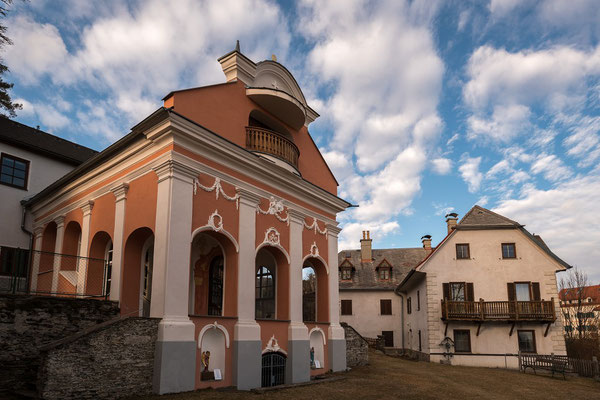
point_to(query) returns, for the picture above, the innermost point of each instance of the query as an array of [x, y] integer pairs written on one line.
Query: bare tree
[[6, 103], [580, 319]]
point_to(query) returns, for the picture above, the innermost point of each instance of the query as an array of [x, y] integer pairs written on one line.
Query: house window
[[457, 291], [385, 307], [462, 251], [526, 341], [418, 301], [215, 288], [508, 250], [384, 273], [265, 293], [346, 274], [524, 291], [420, 347], [408, 306], [346, 308], [14, 172], [462, 340], [388, 338]]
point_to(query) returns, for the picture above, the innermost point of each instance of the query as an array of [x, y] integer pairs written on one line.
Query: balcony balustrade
[[478, 311], [273, 143]]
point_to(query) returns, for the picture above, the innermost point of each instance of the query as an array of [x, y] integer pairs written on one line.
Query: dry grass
[[392, 378]]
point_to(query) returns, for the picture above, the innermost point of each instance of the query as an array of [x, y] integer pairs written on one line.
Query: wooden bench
[[553, 364]]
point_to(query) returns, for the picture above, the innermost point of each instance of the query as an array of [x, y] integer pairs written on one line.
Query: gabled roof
[[592, 292], [479, 217], [482, 218], [365, 276], [37, 141]]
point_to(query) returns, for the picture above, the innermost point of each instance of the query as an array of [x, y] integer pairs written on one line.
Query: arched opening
[[309, 294], [273, 369], [213, 341], [320, 285], [271, 284], [46, 258], [138, 260], [97, 276], [213, 274], [70, 262], [71, 242], [317, 351]]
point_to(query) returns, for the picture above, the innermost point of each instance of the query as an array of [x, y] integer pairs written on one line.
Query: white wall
[[42, 172], [366, 317], [417, 320], [489, 274]]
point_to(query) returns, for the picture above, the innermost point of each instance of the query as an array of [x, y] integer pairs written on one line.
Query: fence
[[585, 368], [53, 274]]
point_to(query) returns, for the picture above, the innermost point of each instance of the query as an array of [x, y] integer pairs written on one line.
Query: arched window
[[309, 294], [147, 282], [108, 257], [265, 293], [215, 288]]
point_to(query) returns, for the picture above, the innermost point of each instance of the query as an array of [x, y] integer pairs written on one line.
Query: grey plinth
[[297, 368], [174, 367], [247, 364], [337, 354]]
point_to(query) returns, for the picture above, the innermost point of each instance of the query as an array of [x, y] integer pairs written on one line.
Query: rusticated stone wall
[[108, 361], [357, 348], [27, 323]]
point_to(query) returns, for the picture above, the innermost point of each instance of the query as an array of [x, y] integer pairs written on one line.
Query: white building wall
[[490, 273], [417, 320], [366, 315], [42, 172]]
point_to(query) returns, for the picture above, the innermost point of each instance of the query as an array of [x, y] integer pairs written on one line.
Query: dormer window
[[346, 269], [384, 271]]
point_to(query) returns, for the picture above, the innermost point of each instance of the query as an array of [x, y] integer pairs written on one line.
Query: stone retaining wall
[[27, 323], [357, 348], [111, 360]]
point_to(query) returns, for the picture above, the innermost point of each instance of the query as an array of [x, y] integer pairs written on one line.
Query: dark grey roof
[[482, 217], [365, 275], [19, 135]]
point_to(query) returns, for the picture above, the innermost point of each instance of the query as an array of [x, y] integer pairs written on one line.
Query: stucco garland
[[315, 227], [276, 207], [217, 188]]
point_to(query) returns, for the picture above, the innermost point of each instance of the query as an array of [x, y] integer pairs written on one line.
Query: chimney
[[366, 254], [426, 239], [451, 220]]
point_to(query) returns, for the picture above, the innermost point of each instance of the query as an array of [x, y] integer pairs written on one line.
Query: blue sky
[[426, 107]]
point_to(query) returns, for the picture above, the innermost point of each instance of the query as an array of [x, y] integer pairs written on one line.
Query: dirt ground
[[393, 378]]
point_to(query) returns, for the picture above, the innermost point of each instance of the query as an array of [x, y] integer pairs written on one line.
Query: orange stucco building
[[205, 216]]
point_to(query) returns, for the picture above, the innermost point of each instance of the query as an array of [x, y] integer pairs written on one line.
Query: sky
[[427, 107]]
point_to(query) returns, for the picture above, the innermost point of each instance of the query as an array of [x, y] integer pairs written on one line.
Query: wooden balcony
[[513, 311], [270, 142]]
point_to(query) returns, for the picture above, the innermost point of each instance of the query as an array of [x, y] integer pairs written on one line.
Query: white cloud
[[463, 18], [551, 167], [567, 219], [469, 170], [385, 75], [501, 8], [505, 123], [441, 166], [352, 233]]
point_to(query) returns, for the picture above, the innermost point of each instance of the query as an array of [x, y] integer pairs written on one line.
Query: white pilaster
[[335, 330], [58, 244], [35, 267], [246, 327], [83, 246], [120, 193], [297, 329]]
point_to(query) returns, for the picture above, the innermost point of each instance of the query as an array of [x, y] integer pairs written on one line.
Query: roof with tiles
[[479, 216], [589, 292], [365, 274], [37, 141]]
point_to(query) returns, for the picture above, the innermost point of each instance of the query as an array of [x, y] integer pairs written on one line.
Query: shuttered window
[[385, 306], [459, 291], [523, 291], [346, 307]]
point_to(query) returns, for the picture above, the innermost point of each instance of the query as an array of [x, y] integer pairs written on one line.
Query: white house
[[486, 292]]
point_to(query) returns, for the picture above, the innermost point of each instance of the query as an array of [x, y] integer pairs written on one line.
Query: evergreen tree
[[6, 104]]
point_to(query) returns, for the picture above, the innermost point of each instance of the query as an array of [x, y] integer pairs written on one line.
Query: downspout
[[23, 218]]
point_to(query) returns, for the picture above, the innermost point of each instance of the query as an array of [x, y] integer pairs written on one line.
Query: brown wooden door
[[388, 338]]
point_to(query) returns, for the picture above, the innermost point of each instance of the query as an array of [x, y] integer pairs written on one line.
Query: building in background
[[30, 160], [486, 292], [580, 308], [368, 278], [206, 215]]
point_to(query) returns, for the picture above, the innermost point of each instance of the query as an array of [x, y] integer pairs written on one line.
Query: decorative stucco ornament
[[315, 226], [218, 189], [215, 221], [273, 346], [314, 250], [272, 236], [276, 207]]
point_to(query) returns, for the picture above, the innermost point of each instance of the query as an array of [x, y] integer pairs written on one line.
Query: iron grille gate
[[273, 369]]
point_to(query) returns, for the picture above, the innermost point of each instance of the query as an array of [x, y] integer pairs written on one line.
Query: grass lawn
[[393, 378]]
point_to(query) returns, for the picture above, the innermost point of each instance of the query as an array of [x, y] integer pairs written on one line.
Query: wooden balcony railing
[[270, 142], [542, 311]]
